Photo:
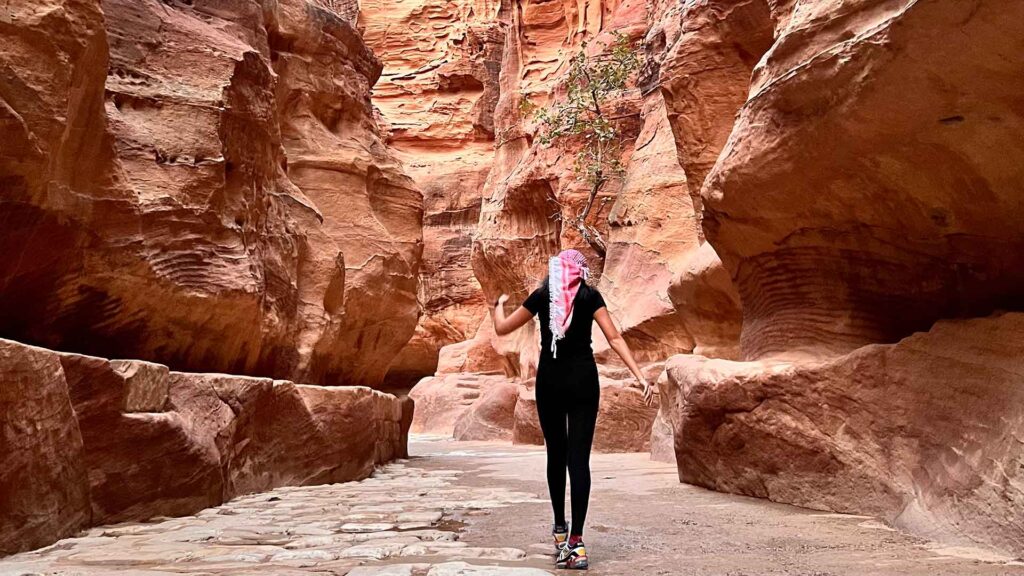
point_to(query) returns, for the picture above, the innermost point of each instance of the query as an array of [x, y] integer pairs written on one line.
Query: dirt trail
[[459, 509]]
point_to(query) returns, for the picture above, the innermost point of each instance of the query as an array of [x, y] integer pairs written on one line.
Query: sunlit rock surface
[[97, 457], [436, 100], [202, 184]]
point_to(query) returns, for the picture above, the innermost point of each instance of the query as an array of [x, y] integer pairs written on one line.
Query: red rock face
[[492, 416], [648, 217], [436, 98], [128, 440], [666, 292], [443, 400], [812, 193], [858, 199], [43, 484], [185, 207], [867, 432]]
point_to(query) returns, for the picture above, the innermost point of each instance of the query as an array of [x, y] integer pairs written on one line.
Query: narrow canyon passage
[[462, 508]]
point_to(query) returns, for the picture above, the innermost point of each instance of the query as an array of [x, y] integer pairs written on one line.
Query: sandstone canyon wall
[[436, 101], [866, 203], [199, 183], [666, 290], [647, 217], [202, 184], [817, 233]]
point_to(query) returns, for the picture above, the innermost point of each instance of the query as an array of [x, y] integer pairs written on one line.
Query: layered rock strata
[[93, 441], [871, 184], [866, 197], [921, 433], [202, 184], [436, 100], [649, 217]]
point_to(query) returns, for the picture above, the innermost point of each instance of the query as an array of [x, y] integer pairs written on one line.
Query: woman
[[567, 387]]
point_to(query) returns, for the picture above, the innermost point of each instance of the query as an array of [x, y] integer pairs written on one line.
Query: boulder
[[662, 433], [90, 441], [921, 432], [480, 354], [137, 461], [491, 416], [443, 399], [43, 479], [526, 428]]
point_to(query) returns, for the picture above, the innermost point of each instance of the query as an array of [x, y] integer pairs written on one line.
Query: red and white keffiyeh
[[565, 274]]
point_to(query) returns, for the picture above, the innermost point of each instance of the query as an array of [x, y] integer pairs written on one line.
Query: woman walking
[[567, 386]]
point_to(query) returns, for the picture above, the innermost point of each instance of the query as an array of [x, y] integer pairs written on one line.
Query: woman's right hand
[[501, 300], [647, 390]]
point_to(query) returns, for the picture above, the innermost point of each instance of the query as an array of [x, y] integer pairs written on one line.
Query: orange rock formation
[[817, 232], [868, 195], [203, 185], [200, 184], [436, 100]]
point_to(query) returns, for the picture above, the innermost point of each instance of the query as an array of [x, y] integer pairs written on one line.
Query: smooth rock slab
[[354, 527]]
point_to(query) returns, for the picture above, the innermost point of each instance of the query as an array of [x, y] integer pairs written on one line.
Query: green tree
[[583, 114]]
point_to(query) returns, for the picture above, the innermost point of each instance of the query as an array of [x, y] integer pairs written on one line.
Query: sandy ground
[[643, 521], [479, 509]]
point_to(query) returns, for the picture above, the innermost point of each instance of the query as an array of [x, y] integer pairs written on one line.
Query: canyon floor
[[468, 508]]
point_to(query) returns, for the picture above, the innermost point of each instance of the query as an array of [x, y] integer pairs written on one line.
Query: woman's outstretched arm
[[504, 325], [618, 343]]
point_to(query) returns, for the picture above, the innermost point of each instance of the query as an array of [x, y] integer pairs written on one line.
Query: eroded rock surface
[[649, 218], [867, 432], [444, 400], [436, 99], [174, 182], [77, 453], [43, 483], [871, 183]]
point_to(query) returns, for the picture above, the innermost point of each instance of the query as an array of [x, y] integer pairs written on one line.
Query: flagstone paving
[[475, 509]]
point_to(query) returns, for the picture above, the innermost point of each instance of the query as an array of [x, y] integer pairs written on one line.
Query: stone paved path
[[461, 509]]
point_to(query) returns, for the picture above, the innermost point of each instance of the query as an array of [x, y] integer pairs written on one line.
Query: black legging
[[568, 394]]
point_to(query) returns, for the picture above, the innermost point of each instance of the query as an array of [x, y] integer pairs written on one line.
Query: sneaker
[[560, 534], [573, 557]]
